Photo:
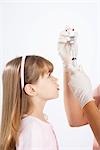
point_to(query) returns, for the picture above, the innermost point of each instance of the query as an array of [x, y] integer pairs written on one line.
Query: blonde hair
[[16, 102]]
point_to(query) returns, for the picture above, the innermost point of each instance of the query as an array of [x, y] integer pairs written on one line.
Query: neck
[[37, 109]]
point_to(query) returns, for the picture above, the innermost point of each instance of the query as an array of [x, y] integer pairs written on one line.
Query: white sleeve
[[31, 138], [96, 92]]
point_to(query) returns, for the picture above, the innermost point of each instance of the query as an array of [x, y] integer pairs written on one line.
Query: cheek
[[52, 89], [47, 89]]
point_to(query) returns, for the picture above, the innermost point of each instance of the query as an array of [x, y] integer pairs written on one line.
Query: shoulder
[[31, 133], [28, 127], [32, 124]]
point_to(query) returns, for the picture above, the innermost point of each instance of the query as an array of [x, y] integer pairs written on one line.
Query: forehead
[[46, 68]]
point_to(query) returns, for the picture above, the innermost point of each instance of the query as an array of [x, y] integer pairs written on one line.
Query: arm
[[77, 87], [82, 89], [77, 116], [67, 48], [74, 113], [93, 115]]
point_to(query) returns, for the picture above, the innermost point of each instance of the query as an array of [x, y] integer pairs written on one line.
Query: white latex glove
[[81, 86], [67, 47]]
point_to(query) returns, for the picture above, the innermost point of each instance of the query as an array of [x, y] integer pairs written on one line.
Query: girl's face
[[47, 87]]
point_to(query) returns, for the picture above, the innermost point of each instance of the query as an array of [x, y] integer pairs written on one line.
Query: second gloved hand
[[81, 86]]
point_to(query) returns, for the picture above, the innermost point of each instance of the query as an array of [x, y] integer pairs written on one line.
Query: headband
[[22, 71]]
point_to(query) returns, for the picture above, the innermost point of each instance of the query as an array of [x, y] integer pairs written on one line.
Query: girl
[[27, 86], [80, 105]]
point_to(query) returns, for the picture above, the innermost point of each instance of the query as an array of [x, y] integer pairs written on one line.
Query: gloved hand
[[81, 86], [67, 47]]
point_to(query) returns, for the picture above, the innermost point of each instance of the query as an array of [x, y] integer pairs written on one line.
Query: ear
[[30, 90]]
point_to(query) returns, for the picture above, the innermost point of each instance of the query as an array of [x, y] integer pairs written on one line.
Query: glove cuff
[[86, 101]]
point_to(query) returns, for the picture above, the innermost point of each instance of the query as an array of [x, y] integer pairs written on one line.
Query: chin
[[57, 95], [54, 97]]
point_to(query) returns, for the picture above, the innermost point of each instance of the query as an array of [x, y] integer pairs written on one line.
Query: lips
[[58, 89]]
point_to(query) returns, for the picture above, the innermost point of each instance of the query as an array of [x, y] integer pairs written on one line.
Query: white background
[[29, 27]]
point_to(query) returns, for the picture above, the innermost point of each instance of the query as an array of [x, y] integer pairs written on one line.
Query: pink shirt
[[97, 95], [36, 134]]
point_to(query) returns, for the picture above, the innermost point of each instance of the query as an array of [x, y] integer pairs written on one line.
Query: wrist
[[68, 67]]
